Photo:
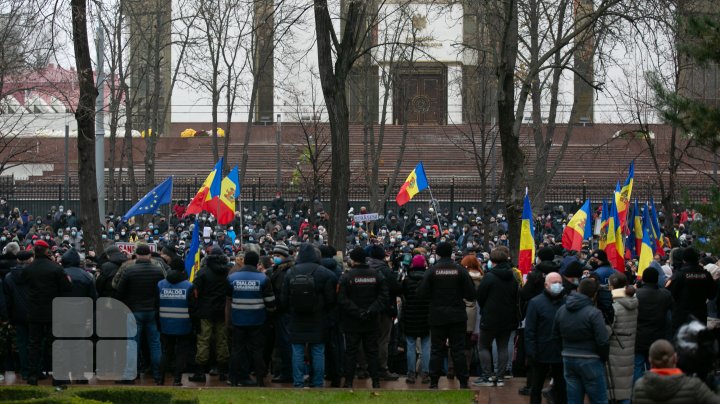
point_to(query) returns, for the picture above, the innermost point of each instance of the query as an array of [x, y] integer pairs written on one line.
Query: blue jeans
[[585, 376], [144, 321], [411, 353], [641, 365], [317, 354]]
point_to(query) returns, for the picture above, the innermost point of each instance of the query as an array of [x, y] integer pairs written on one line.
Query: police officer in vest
[[177, 303], [446, 284], [362, 296], [249, 299]]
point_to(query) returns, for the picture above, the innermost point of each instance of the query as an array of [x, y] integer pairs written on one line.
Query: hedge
[[39, 395]]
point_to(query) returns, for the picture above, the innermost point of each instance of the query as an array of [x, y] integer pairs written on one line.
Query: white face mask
[[432, 260]]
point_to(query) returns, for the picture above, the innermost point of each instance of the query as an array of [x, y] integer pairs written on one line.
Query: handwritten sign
[[129, 248], [366, 218]]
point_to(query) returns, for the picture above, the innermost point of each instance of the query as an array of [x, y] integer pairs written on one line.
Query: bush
[[139, 396], [19, 393]]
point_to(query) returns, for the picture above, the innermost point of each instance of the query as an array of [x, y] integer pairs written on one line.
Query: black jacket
[[211, 287], [691, 287], [7, 263], [16, 297], [539, 320], [580, 328], [138, 286], [310, 328], [362, 296], [83, 284], [414, 308], [103, 283], [277, 278], [535, 283], [391, 280], [654, 307], [45, 280], [497, 296], [445, 285]]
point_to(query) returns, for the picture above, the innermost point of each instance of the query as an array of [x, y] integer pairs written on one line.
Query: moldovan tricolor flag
[[656, 230], [229, 192], [622, 197], [604, 218], [527, 239], [209, 188], [614, 247], [646, 251], [576, 230], [415, 182]]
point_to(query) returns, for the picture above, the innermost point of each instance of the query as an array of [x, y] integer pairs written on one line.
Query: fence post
[[452, 196], [385, 209], [124, 197], [254, 195], [584, 189], [60, 194]]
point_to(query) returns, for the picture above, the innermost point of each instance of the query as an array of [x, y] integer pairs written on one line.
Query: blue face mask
[[277, 260], [489, 265], [556, 289]]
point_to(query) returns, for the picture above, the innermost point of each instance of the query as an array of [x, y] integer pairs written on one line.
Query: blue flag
[[192, 258], [160, 195], [216, 185]]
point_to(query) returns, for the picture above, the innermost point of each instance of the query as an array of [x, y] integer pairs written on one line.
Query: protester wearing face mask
[[542, 351], [282, 263]]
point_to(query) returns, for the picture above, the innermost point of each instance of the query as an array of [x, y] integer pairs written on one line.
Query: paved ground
[[500, 395]]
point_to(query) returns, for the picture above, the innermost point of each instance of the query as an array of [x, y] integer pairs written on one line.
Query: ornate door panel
[[420, 96]]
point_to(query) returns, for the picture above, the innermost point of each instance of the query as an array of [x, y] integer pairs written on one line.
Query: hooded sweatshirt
[[83, 284], [497, 296]]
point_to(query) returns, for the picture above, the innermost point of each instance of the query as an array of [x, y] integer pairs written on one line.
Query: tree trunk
[[333, 77], [85, 116], [512, 155]]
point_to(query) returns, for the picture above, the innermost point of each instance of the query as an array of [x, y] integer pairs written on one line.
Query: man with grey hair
[[542, 351]]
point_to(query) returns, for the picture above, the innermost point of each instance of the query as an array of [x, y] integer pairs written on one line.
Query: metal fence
[[451, 193]]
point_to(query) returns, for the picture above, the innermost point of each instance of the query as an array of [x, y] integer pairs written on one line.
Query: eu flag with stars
[[149, 203]]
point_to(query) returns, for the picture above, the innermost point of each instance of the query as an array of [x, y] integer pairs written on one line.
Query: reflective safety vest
[[174, 312], [248, 304]]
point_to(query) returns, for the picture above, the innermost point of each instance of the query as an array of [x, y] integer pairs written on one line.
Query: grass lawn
[[332, 396], [152, 395]]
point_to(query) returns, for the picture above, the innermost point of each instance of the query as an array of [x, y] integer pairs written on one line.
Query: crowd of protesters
[[426, 294]]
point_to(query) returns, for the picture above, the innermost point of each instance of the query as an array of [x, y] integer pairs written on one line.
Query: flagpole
[[435, 205], [241, 223]]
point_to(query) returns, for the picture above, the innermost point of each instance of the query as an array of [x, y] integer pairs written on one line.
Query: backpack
[[303, 296]]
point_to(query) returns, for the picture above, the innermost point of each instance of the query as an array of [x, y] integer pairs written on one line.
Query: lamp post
[[278, 132]]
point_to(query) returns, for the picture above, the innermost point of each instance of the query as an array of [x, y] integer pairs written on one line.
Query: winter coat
[[83, 284], [581, 329], [45, 280], [414, 308], [277, 278], [653, 323], [691, 287], [16, 297], [539, 344], [653, 388], [108, 270], [535, 283], [211, 287], [138, 286], [309, 328], [471, 307], [446, 285], [362, 296], [622, 345], [7, 262], [391, 280], [497, 296]]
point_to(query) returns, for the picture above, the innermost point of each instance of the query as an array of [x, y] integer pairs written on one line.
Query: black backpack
[[303, 297]]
